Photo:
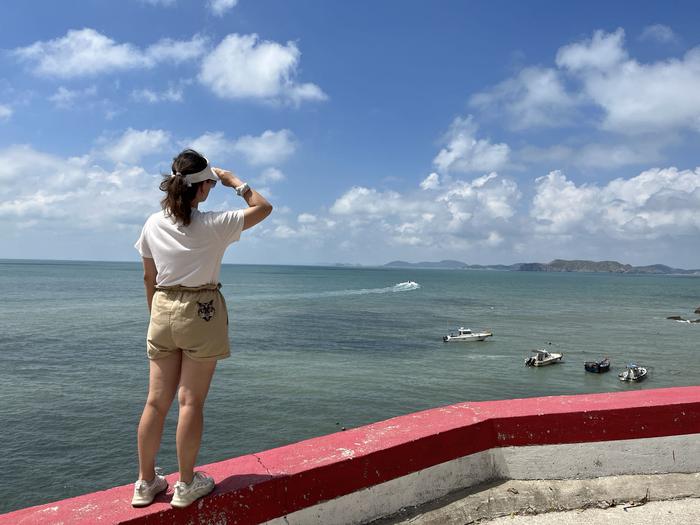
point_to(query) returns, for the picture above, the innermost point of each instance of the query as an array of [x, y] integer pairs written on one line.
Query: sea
[[315, 350]]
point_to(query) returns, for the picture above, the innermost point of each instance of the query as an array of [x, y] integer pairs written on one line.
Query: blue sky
[[480, 131]]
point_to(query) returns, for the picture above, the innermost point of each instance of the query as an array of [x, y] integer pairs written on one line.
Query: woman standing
[[182, 250]]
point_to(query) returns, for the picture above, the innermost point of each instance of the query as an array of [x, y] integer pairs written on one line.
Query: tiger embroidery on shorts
[[206, 310]]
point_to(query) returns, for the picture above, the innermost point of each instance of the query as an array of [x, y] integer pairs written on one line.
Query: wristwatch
[[240, 190]]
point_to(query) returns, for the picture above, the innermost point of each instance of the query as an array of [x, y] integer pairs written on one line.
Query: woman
[[188, 330]]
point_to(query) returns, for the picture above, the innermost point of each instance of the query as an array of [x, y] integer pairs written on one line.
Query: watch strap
[[240, 190]]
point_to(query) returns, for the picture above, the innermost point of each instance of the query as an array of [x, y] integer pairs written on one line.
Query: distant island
[[557, 265]]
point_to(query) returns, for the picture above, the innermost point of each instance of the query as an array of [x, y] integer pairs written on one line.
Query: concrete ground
[[674, 512], [658, 499]]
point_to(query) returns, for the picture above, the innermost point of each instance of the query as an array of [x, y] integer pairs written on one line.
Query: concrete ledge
[[299, 478], [505, 498], [563, 461]]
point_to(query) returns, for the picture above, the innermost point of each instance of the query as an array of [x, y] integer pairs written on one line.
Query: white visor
[[206, 174]]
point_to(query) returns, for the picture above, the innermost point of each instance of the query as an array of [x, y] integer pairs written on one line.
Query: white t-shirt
[[189, 255]]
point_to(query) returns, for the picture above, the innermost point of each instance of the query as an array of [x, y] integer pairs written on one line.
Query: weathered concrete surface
[[675, 512], [512, 497]]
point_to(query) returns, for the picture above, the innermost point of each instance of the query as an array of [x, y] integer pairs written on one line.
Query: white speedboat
[[465, 335], [633, 372], [543, 358]]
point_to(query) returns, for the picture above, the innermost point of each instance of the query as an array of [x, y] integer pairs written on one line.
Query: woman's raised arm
[[258, 206]]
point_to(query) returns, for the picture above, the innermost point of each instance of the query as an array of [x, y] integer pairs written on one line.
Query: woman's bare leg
[[163, 381], [195, 378]]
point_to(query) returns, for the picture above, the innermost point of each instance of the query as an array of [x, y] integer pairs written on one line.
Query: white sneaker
[[186, 493], [146, 491]]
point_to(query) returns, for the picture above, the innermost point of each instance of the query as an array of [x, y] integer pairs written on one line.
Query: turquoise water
[[315, 349]]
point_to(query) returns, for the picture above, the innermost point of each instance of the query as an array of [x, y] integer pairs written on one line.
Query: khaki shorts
[[193, 320]]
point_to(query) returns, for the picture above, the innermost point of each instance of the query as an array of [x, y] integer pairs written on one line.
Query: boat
[[465, 335], [633, 372], [597, 367], [543, 358]]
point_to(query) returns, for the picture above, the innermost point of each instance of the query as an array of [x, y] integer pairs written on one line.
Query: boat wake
[[405, 286], [399, 287]]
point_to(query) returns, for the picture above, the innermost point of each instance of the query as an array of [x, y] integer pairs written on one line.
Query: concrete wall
[[364, 473]]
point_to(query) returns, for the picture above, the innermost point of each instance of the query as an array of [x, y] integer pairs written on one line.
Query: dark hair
[[178, 194]]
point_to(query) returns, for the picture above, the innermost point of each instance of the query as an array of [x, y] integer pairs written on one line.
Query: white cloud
[[482, 202], [534, 97], [659, 33], [152, 97], [359, 200], [656, 202], [283, 231], [637, 98], [65, 98], [270, 175], [219, 7], [87, 52], [242, 66], [212, 144], [299, 93], [559, 204], [176, 51], [463, 152], [25, 159], [306, 218], [481, 210], [135, 144], [431, 182], [494, 239], [56, 190], [5, 112], [80, 52], [272, 147], [267, 149], [601, 52], [314, 230], [484, 219]]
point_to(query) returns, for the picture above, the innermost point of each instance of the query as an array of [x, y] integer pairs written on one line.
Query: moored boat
[[543, 358], [633, 372], [466, 335], [597, 367]]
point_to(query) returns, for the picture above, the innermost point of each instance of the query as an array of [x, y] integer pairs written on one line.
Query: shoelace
[[198, 478], [142, 484]]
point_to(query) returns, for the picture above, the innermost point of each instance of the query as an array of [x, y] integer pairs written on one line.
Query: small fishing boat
[[465, 335], [633, 372], [597, 367], [543, 358]]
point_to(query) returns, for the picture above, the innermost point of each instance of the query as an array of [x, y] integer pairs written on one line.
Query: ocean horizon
[[421, 265]]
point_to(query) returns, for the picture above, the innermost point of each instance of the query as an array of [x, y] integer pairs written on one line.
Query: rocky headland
[[557, 265]]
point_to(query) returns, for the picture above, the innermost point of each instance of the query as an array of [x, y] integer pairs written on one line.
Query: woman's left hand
[[227, 178]]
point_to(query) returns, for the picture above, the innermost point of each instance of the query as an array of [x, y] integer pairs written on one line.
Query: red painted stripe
[[306, 473]]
